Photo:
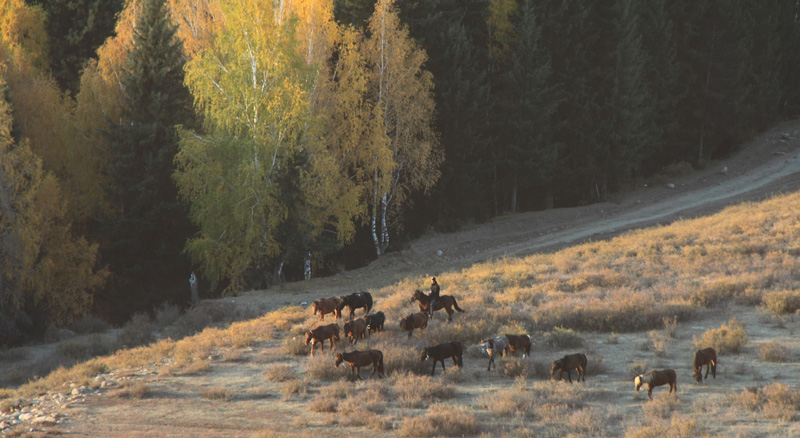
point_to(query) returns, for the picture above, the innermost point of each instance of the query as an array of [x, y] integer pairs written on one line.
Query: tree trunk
[[384, 226], [374, 219], [307, 266]]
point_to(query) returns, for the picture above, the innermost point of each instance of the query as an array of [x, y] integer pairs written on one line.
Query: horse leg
[[569, 375], [433, 370], [714, 369], [582, 374], [312, 348], [443, 368], [650, 392], [449, 314], [491, 359]]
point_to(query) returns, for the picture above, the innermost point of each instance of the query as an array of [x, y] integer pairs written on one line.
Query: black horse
[[375, 322], [356, 300]]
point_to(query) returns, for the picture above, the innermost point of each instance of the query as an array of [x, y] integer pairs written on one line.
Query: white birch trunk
[[307, 266]]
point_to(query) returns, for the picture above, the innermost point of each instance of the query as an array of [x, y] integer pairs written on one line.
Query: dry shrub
[[466, 332], [196, 367], [561, 338], [321, 366], [678, 427], [294, 387], [81, 349], [586, 421], [454, 375], [233, 356], [774, 351], [402, 358], [661, 406], [138, 331], [295, 345], [746, 400], [135, 389], [659, 342], [509, 403], [670, 326], [280, 373], [441, 420], [216, 393], [415, 391], [729, 338], [322, 404], [718, 292], [782, 302], [516, 367]]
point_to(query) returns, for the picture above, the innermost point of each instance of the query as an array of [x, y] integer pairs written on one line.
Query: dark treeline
[[538, 104]]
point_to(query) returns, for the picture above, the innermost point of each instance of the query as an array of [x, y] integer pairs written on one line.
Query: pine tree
[[528, 151], [76, 29], [145, 239], [453, 33]]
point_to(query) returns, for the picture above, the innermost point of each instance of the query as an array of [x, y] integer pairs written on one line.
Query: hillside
[[255, 379]]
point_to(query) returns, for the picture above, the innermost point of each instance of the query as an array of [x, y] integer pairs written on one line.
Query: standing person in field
[[434, 296]]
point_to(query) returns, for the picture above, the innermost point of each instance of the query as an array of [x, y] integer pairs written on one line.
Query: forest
[[261, 141]]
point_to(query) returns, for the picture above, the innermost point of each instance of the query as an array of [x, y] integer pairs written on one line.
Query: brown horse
[[568, 363], [446, 302], [654, 378], [417, 320], [358, 359], [325, 306], [355, 329], [519, 342], [355, 301], [320, 334], [441, 352], [707, 357]]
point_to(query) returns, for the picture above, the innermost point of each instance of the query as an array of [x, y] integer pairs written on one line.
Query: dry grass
[[136, 389], [605, 296], [216, 393]]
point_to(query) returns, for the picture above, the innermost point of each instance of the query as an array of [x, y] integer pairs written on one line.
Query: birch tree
[[401, 93], [253, 88]]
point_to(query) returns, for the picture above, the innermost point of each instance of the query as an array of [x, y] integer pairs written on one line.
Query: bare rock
[[724, 170], [670, 186]]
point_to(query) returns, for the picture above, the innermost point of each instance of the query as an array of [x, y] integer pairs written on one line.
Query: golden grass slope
[[643, 300]]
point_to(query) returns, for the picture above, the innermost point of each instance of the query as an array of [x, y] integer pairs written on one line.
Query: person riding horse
[[434, 296]]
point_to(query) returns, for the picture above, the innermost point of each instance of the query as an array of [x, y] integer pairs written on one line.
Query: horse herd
[[356, 329]]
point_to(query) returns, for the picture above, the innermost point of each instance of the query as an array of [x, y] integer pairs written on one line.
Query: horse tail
[[455, 304]]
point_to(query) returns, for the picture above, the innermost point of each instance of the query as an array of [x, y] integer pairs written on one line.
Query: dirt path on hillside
[[765, 166]]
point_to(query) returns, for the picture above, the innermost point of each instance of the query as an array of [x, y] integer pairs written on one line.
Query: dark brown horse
[[356, 301], [320, 334], [325, 306], [417, 320], [358, 359], [446, 302], [441, 352], [568, 363], [375, 322], [355, 329], [707, 357], [519, 342], [654, 378]]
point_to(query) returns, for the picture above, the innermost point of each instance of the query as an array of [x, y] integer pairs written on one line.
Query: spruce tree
[[529, 151], [145, 239]]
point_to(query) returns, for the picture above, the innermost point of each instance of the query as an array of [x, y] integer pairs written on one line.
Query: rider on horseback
[[434, 296]]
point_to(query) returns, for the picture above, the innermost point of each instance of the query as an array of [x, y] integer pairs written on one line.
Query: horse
[[358, 359], [375, 322], [568, 363], [325, 306], [441, 352], [654, 378], [355, 329], [417, 320], [356, 300], [494, 347], [519, 342], [320, 334], [446, 302], [707, 357]]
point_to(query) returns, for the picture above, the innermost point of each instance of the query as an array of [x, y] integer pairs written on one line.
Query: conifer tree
[[147, 234], [527, 150]]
